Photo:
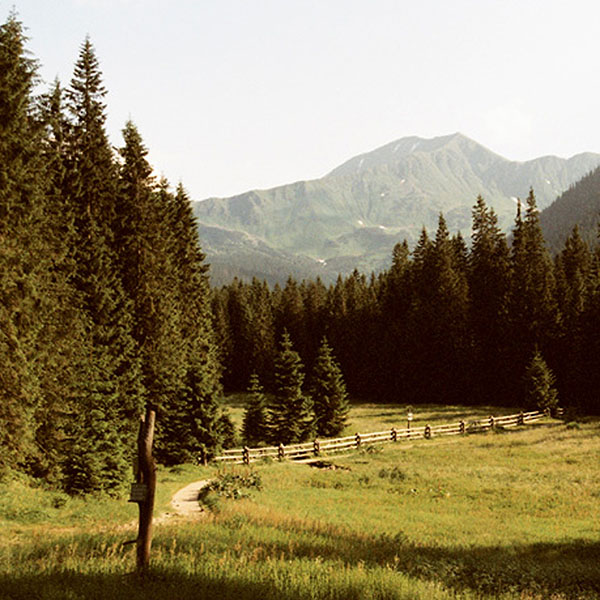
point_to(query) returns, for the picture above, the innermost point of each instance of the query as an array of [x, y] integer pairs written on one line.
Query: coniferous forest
[[106, 307], [104, 289]]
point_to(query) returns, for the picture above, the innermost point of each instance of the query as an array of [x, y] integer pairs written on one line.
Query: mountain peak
[[395, 151]]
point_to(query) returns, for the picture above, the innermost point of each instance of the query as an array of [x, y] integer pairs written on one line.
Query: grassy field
[[366, 417], [497, 515]]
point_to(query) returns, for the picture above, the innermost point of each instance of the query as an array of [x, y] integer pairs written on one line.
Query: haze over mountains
[[352, 217]]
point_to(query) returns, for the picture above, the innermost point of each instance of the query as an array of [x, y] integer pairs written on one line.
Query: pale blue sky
[[231, 95]]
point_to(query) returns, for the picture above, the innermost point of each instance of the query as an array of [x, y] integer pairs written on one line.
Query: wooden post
[[280, 452], [427, 432], [394, 435], [246, 455], [462, 426], [492, 422], [316, 447], [146, 475], [357, 440], [521, 419]]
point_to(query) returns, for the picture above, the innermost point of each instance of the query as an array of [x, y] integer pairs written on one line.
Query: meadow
[[506, 514]]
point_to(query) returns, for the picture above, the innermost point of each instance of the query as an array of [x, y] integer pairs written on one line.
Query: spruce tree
[[586, 395], [489, 284], [573, 275], [191, 418], [19, 249], [540, 393], [255, 427], [105, 421], [291, 415], [439, 324], [329, 394], [391, 373], [532, 302], [149, 279], [40, 324]]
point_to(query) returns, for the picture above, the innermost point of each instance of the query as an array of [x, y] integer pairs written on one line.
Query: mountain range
[[352, 217]]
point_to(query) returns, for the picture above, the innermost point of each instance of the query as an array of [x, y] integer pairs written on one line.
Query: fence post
[[427, 432], [492, 422], [521, 419], [357, 440], [462, 426], [280, 452], [394, 435], [246, 455], [316, 447]]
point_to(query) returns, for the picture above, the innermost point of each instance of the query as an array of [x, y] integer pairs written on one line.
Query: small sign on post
[[138, 493]]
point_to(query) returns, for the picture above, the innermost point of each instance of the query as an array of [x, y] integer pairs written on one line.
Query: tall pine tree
[[105, 420], [328, 392]]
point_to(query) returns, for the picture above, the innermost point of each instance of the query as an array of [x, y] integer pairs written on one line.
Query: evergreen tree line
[[104, 294], [447, 323]]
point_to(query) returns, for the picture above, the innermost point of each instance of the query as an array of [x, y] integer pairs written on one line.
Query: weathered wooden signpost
[[143, 490]]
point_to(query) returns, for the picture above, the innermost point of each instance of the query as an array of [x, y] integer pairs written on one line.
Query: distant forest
[[106, 307], [447, 323]]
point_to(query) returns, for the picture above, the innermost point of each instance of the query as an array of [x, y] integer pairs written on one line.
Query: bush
[[235, 484]]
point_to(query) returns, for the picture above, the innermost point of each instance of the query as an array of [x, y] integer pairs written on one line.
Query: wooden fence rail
[[327, 446]]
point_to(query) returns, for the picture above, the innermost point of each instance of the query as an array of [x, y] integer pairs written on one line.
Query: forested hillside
[[104, 291], [579, 205]]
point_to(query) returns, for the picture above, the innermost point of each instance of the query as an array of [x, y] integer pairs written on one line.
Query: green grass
[[366, 417], [370, 417], [509, 515]]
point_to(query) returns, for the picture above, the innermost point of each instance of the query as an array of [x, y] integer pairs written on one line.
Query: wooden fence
[[328, 446]]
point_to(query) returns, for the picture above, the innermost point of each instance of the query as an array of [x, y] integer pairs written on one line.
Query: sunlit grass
[[366, 417], [496, 515]]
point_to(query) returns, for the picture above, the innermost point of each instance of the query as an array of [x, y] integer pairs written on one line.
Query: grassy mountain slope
[[352, 217]]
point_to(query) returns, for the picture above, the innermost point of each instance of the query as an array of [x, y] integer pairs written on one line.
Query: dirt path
[[184, 502]]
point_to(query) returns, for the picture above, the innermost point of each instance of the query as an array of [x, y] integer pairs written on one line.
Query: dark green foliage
[[111, 385], [227, 432], [438, 323], [191, 413], [489, 281], [247, 332], [540, 393], [291, 414], [578, 206], [255, 427], [104, 296], [328, 392], [19, 251], [532, 302]]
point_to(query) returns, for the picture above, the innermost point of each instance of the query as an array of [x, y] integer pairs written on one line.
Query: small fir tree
[[329, 393], [540, 392], [291, 412], [255, 425]]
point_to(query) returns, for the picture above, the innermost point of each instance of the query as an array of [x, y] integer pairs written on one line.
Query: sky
[[234, 95]]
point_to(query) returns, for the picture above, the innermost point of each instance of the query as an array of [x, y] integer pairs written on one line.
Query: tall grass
[[501, 515]]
